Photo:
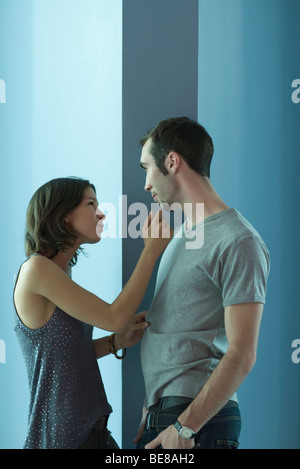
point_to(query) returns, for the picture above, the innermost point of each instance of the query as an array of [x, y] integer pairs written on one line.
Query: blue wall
[[248, 58], [232, 66], [62, 65], [159, 81], [16, 183]]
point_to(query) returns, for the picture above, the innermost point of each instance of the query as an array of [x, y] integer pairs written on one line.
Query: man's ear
[[67, 218], [173, 161]]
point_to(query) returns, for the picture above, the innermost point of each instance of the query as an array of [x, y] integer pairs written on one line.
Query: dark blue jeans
[[221, 432]]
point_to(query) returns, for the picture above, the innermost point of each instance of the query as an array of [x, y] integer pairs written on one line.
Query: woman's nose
[[100, 214]]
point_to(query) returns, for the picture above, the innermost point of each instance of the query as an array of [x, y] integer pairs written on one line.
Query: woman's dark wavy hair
[[46, 231]]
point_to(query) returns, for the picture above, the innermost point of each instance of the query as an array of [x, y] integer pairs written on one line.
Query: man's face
[[160, 186]]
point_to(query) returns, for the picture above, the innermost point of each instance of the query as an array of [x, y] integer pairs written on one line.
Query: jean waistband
[[168, 402], [166, 410]]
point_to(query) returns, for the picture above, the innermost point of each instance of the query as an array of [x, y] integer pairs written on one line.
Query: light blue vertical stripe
[[62, 65]]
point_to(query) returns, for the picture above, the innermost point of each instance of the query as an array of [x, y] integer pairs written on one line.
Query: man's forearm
[[222, 384]]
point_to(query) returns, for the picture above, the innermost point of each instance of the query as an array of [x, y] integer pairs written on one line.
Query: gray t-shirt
[[186, 338]]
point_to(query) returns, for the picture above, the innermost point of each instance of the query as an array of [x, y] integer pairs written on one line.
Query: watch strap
[[179, 428]]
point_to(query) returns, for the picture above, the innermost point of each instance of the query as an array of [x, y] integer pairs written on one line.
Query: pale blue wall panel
[[62, 65]]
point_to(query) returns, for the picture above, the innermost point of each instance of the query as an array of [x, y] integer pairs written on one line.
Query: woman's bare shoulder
[[37, 268]]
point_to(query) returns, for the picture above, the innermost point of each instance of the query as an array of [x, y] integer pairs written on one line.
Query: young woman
[[55, 316]]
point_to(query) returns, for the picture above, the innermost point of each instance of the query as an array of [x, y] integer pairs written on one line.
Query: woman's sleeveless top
[[67, 395]]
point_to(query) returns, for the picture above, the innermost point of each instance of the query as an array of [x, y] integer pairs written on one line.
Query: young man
[[208, 303]]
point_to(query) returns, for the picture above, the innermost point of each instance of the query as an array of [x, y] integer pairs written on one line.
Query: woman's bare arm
[[44, 278]]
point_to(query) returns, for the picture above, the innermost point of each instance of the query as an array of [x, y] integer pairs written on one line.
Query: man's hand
[[170, 439]]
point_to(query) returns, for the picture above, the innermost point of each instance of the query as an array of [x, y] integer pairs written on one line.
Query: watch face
[[186, 433]]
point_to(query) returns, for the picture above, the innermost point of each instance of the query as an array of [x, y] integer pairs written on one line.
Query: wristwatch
[[185, 432]]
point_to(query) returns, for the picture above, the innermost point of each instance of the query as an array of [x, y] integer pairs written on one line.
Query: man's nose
[[147, 186]]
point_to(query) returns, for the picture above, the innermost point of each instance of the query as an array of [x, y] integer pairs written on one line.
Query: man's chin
[[165, 206]]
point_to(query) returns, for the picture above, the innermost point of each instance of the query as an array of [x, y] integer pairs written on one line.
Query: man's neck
[[200, 201]]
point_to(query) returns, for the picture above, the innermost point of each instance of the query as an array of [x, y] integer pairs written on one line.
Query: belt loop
[[149, 420]]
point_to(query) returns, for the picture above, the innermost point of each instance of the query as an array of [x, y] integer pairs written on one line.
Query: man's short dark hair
[[184, 136]]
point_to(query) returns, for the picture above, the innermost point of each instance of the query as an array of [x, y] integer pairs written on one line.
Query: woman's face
[[86, 220]]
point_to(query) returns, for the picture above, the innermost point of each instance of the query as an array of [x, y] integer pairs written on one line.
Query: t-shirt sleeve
[[243, 271]]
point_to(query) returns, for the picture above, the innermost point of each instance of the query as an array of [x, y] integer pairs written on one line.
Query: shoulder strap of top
[[16, 277]]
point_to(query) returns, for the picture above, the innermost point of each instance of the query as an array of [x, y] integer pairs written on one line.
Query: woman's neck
[[63, 259]]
